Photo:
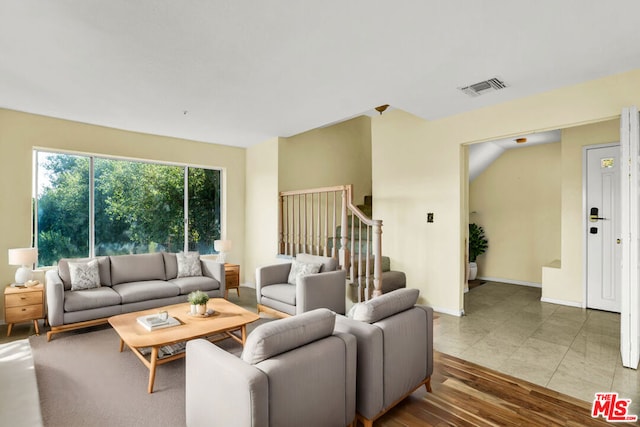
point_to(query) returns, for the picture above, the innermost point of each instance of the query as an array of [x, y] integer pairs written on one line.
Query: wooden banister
[[308, 223]]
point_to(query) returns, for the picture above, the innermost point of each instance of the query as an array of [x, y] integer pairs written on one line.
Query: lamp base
[[222, 257], [23, 274]]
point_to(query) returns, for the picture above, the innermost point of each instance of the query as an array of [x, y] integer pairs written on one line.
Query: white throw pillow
[[302, 269], [84, 275], [189, 264]]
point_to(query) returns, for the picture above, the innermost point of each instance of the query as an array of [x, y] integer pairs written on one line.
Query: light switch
[[430, 217]]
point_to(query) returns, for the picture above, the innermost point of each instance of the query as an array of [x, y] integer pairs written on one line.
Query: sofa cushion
[[188, 264], [84, 275], [328, 264], [273, 338], [146, 290], [90, 298], [137, 268], [170, 265], [198, 283], [284, 292], [104, 269], [384, 306], [299, 268]]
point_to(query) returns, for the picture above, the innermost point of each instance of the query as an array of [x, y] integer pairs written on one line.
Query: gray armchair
[[292, 372], [280, 294], [395, 350]]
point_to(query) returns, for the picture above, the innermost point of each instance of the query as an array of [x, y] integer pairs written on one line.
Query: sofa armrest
[[370, 371], [273, 274], [322, 290], [215, 270], [215, 379], [55, 297], [429, 313]]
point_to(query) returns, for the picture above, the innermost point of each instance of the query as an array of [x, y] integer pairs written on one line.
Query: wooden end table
[[232, 278], [226, 319], [22, 304]]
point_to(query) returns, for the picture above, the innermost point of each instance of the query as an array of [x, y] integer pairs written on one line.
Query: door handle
[[593, 215]]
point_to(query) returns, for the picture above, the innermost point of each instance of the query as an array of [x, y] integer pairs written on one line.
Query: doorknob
[[593, 215]]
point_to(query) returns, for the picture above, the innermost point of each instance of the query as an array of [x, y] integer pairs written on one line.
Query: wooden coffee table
[[226, 319]]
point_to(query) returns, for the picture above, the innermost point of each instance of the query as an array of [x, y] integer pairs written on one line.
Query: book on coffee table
[[152, 322]]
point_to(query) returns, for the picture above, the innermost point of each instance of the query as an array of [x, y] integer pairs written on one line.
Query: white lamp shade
[[23, 256], [222, 245]]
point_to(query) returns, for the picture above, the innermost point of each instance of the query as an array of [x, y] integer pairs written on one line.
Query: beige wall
[[517, 202], [333, 155], [262, 207], [418, 165], [20, 132]]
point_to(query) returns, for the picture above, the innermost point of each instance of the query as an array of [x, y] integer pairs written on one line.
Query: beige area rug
[[84, 380]]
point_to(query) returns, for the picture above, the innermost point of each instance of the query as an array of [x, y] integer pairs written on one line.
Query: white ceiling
[[240, 72], [481, 155]]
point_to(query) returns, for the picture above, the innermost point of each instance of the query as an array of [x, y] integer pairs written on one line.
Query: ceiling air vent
[[483, 87]]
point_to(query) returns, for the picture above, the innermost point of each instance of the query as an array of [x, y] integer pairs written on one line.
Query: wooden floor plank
[[466, 394]]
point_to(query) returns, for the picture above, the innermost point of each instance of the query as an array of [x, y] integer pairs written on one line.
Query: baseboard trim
[[562, 302], [511, 281], [457, 313]]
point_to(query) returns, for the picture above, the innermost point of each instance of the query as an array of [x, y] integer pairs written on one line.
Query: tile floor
[[570, 350]]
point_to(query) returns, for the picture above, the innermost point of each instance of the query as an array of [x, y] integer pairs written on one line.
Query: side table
[[22, 305], [232, 278]]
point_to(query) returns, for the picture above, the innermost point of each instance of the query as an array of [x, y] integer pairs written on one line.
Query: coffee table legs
[[152, 368]]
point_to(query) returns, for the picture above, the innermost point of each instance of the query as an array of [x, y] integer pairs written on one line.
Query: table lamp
[[222, 247], [25, 258]]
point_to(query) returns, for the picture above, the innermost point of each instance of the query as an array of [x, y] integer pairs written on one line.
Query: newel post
[[281, 219], [343, 256], [377, 253]]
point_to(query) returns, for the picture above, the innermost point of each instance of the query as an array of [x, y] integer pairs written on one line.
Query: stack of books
[[152, 322]]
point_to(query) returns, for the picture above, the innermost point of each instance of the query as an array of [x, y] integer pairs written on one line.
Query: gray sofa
[[127, 283], [395, 350], [292, 372]]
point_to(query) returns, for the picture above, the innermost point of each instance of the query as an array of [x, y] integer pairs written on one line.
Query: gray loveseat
[[127, 283]]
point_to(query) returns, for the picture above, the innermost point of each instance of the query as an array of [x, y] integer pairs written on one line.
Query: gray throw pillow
[[189, 264], [299, 268], [384, 306], [84, 275]]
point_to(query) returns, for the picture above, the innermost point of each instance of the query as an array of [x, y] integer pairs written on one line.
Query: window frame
[[92, 157]]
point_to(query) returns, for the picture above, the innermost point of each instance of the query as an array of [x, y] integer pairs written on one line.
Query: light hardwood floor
[[466, 394]]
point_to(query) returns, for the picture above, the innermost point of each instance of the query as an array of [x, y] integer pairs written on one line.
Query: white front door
[[603, 228]]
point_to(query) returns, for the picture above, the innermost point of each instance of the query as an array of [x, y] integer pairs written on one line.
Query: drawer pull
[[24, 309]]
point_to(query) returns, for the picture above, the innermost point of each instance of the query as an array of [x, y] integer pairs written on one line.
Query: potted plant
[[198, 301], [478, 245]]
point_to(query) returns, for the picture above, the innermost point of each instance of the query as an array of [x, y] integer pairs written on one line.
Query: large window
[[91, 206]]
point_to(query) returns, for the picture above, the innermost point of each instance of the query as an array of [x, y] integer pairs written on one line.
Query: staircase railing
[[309, 224]]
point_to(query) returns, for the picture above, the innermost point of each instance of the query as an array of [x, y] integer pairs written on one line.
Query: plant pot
[[201, 309], [473, 270], [194, 309]]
